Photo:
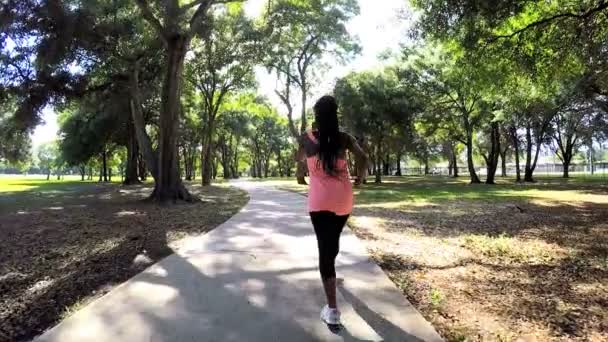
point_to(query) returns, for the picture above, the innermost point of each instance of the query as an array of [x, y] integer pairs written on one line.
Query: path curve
[[254, 278]]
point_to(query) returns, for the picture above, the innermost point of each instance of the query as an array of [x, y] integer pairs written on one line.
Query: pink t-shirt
[[327, 192]]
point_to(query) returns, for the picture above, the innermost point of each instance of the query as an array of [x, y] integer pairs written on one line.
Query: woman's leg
[[328, 227]]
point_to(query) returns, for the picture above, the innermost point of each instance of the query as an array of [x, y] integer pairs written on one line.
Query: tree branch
[[602, 6], [151, 19]]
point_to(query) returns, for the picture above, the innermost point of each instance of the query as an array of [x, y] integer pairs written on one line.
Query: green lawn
[[436, 189]]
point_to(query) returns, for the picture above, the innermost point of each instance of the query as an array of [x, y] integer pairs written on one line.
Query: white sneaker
[[330, 316]]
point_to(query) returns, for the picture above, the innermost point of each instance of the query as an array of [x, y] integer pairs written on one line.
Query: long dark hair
[[326, 117]]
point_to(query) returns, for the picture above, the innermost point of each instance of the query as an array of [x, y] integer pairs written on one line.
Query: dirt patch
[[482, 271], [73, 246]]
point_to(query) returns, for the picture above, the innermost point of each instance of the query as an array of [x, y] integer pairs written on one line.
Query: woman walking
[[330, 194]]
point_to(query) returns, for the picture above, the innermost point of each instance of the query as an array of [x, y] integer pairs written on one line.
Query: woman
[[330, 193]]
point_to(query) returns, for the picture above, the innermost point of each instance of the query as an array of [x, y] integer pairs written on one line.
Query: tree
[[572, 127], [223, 62], [372, 104], [175, 26], [454, 90], [302, 33], [47, 154], [490, 151], [15, 144]]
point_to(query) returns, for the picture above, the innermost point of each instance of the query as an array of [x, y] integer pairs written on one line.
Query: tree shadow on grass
[[54, 258]]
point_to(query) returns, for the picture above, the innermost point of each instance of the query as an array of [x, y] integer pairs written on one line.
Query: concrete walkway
[[252, 279]]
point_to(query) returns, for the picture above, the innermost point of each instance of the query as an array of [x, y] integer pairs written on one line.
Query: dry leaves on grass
[[492, 272], [79, 244]]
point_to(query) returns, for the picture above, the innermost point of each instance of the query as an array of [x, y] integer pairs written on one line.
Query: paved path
[[252, 279]]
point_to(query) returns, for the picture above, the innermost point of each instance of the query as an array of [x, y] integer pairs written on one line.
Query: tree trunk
[[132, 154], [515, 141], [377, 172], [104, 157], [531, 164], [169, 186], [279, 164], [503, 163], [148, 157], [207, 156], [110, 174], [301, 172], [259, 171], [267, 166], [386, 165], [214, 167], [398, 172], [567, 160], [235, 164], [492, 157], [83, 172], [455, 163], [470, 162], [90, 173], [141, 168]]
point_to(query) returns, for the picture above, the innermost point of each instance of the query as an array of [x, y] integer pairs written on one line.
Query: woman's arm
[[361, 158]]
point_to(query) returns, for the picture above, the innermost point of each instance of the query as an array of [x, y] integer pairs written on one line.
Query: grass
[[492, 262], [63, 243]]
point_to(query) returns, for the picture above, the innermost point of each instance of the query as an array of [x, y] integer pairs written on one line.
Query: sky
[[378, 28]]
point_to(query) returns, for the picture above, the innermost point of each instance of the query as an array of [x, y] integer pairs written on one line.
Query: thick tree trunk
[[226, 162], [132, 154], [141, 168], [90, 173], [492, 157], [450, 166], [503, 163], [259, 170], [149, 157], [528, 171], [302, 169], [470, 161], [83, 172], [567, 160], [301, 172], [515, 142], [398, 172], [455, 164], [104, 157], [566, 165], [531, 164], [169, 186], [386, 165]]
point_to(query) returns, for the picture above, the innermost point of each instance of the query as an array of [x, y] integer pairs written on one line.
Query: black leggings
[[328, 227]]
